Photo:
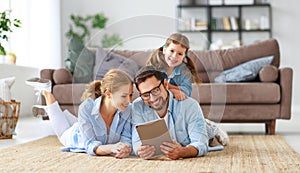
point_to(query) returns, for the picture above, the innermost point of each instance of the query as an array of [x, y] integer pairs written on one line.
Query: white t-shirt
[[166, 118]]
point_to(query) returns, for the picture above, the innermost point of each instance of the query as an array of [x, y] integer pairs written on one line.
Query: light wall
[[156, 19], [19, 90]]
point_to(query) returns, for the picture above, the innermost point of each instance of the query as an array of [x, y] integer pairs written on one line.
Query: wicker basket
[[9, 115]]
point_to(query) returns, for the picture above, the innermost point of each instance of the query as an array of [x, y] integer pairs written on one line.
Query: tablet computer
[[154, 133]]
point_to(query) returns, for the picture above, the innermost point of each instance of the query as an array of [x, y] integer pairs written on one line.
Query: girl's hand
[[179, 95]]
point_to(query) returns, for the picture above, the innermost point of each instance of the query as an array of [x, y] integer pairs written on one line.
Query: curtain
[[38, 42]]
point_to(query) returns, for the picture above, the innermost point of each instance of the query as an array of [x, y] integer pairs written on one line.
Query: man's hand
[[146, 151], [175, 151], [172, 150]]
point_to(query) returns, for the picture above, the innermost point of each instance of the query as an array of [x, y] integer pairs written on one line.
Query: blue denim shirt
[[182, 77], [90, 131], [186, 123]]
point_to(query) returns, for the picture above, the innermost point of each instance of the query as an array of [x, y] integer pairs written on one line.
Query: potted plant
[[81, 28], [6, 26]]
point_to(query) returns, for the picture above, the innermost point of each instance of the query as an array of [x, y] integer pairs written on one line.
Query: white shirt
[[166, 118]]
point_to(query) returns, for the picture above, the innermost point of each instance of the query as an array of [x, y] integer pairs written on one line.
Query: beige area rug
[[246, 153]]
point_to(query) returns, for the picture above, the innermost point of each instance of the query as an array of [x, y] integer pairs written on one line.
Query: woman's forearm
[[103, 150]]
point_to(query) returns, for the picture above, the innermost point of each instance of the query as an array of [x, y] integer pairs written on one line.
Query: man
[[184, 118]]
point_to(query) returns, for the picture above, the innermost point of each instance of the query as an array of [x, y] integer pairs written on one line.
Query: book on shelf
[[198, 24], [226, 23], [154, 133], [234, 23]]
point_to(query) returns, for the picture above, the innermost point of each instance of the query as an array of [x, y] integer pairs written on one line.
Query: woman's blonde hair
[[158, 61], [111, 81]]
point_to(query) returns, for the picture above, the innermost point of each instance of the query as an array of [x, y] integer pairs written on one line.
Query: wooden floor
[[31, 128]]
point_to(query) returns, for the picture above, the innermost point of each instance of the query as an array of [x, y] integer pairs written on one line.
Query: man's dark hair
[[145, 73]]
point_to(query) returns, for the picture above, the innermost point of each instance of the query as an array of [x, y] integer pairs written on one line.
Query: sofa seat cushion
[[246, 113], [237, 93], [68, 93]]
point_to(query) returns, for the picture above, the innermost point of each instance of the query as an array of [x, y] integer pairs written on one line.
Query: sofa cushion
[[268, 73], [74, 50], [106, 60], [62, 76], [83, 72], [219, 60], [241, 112], [244, 72], [140, 57], [79, 61], [237, 93]]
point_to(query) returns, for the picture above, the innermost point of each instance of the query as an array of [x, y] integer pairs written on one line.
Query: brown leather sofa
[[261, 100]]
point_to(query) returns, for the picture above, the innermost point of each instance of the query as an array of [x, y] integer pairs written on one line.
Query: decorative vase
[[11, 58]]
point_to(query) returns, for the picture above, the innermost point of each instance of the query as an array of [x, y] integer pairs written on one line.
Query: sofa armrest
[[286, 83], [47, 74]]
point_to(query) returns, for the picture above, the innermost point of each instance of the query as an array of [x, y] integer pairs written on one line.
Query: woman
[[103, 126]]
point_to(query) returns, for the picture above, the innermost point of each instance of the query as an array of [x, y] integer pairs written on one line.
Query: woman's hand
[[146, 151], [121, 150]]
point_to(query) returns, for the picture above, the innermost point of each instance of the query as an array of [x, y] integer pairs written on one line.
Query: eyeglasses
[[155, 91]]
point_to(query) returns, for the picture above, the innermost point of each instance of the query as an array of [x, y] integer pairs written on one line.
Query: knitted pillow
[[5, 86]]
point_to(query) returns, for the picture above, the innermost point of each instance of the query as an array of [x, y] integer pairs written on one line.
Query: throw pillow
[[80, 61], [83, 72], [74, 50], [106, 60], [244, 72], [268, 73], [5, 86]]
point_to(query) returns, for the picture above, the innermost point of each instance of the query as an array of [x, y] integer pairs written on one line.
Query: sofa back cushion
[[140, 57], [106, 60], [209, 63], [212, 62]]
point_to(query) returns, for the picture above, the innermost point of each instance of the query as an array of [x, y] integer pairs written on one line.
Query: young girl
[[178, 68], [103, 126], [180, 71]]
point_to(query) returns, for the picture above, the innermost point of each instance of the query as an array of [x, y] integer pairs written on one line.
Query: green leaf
[[6, 26], [109, 41], [2, 50]]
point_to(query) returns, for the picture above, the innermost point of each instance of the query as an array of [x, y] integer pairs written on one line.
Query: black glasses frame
[[155, 91]]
